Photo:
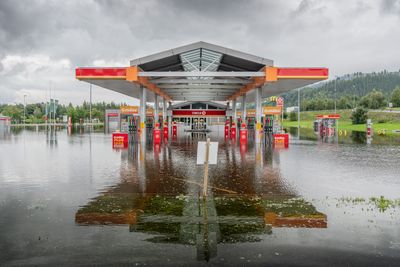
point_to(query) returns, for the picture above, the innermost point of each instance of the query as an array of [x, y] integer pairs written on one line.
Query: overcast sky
[[42, 42]]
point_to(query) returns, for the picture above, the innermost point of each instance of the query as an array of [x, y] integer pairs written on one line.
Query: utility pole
[[335, 91], [24, 108], [46, 109], [90, 105]]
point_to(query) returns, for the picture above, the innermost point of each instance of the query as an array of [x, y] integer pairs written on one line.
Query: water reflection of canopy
[[236, 219], [201, 72]]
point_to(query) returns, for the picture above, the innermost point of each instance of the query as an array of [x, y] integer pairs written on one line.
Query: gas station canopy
[[201, 72]]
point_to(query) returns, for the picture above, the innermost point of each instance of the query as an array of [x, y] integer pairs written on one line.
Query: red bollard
[[243, 134], [233, 131], [157, 134]]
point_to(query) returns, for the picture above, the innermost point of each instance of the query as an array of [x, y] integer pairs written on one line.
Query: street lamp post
[[336, 78], [24, 109], [335, 93]]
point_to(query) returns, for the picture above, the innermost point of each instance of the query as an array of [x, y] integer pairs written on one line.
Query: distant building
[[4, 121], [292, 109]]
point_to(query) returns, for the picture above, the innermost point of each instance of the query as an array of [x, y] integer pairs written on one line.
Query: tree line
[[372, 90], [36, 113], [373, 100]]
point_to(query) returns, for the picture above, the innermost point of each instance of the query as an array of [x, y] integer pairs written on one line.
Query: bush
[[293, 116], [373, 100], [396, 97], [359, 116]]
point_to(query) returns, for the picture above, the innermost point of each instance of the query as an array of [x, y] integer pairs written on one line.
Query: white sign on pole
[[201, 153]]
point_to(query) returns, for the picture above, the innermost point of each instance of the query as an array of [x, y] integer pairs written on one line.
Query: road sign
[[201, 153], [279, 101]]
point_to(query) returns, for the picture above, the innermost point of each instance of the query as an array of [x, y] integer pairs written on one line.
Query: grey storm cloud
[[42, 41], [391, 6]]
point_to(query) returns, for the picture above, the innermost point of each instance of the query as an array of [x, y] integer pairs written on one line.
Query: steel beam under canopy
[[199, 86], [199, 81], [201, 74]]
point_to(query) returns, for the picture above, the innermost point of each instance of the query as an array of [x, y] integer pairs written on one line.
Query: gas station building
[[199, 82]]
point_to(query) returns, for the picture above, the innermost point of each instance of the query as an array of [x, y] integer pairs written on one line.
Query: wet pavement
[[70, 199]]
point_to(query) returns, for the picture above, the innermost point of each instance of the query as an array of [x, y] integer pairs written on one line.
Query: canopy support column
[[243, 116], [227, 110], [142, 113], [164, 111], [258, 114], [234, 118], [156, 109], [170, 119]]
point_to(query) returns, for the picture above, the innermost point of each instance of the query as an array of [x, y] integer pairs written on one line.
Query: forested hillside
[[349, 89]]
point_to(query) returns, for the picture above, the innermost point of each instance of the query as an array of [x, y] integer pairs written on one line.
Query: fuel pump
[[149, 122], [243, 133], [269, 124], [165, 130], [133, 123], [226, 130]]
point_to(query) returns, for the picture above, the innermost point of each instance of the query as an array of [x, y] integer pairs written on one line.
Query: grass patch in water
[[238, 206], [383, 203], [165, 205], [109, 204], [292, 207]]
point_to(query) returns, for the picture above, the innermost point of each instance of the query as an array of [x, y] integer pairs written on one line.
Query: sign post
[[279, 103], [206, 154], [205, 178]]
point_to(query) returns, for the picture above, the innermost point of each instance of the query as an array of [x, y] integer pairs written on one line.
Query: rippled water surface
[[73, 200]]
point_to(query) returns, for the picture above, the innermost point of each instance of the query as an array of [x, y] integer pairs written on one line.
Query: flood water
[[70, 199]]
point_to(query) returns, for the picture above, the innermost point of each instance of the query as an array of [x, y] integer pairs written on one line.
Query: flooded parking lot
[[71, 199]]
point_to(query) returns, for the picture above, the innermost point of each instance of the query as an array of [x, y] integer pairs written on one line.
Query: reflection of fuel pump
[[243, 134]]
